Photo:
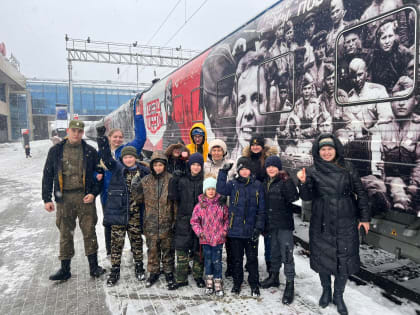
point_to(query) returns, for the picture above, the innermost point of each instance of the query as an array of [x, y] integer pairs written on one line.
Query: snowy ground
[[28, 254]]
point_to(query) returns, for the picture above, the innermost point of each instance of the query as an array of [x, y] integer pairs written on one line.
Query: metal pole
[[137, 66], [70, 90]]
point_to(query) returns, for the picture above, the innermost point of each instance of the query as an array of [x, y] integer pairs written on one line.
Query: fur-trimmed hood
[[266, 152], [174, 146]]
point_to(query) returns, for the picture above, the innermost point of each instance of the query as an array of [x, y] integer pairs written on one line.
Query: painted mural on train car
[[301, 68]]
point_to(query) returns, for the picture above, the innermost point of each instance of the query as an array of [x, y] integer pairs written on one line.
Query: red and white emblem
[[154, 117]]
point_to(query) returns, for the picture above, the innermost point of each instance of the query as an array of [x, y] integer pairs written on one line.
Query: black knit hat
[[273, 160], [243, 162], [196, 158], [129, 150], [258, 140]]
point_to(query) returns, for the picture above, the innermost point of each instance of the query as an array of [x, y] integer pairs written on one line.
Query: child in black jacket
[[280, 192]]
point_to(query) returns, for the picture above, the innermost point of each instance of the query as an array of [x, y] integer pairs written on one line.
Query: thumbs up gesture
[[301, 175]]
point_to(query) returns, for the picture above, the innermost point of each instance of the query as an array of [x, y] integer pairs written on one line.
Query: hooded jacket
[[117, 207], [193, 147], [153, 191], [52, 179], [246, 204], [185, 190], [333, 234], [210, 220], [176, 164], [258, 160]]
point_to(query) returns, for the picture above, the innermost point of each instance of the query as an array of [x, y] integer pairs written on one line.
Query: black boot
[[236, 289], [95, 270], [326, 298], [289, 293], [169, 278], [139, 271], [114, 276], [177, 285], [255, 291], [200, 282], [63, 273], [153, 277], [339, 302], [271, 281]]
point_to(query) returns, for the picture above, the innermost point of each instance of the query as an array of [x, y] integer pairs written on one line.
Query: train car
[[300, 68]]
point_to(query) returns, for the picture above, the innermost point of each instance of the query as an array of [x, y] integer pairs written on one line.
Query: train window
[[377, 59], [226, 98], [275, 79], [196, 108], [178, 109]]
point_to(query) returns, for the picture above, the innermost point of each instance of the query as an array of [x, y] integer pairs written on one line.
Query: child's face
[[158, 167], [210, 193], [272, 171], [195, 169], [176, 153], [244, 172], [129, 160]]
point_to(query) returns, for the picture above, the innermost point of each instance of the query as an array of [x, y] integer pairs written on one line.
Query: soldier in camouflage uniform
[[400, 151], [69, 172], [158, 218], [122, 212]]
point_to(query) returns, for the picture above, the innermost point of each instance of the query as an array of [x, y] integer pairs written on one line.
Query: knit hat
[[129, 150], [258, 140], [243, 162], [273, 160], [218, 143], [209, 182], [326, 141], [197, 132], [196, 158]]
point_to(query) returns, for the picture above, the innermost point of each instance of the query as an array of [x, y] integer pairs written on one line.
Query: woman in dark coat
[[332, 185]]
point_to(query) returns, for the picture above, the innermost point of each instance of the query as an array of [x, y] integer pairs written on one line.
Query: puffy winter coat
[[258, 160], [159, 210], [185, 190], [116, 210], [333, 234], [246, 204], [279, 194], [210, 221], [52, 178], [138, 143], [176, 164], [193, 147]]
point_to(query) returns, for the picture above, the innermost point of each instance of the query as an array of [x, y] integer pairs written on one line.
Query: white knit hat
[[218, 143]]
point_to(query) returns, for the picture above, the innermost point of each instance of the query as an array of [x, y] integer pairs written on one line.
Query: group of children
[[186, 215]]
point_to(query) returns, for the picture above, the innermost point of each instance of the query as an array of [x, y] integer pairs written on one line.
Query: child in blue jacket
[[246, 220]]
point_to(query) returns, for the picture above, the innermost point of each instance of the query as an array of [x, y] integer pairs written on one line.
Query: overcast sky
[[33, 31]]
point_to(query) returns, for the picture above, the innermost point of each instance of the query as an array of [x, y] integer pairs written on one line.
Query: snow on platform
[[28, 255]]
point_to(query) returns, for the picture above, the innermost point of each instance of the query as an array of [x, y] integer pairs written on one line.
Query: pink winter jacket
[[210, 220]]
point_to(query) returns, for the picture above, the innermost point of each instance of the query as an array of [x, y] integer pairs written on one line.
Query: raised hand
[[100, 131], [301, 175], [227, 167]]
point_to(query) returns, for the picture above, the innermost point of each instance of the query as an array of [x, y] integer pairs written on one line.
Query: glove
[[222, 200], [177, 173], [255, 235], [100, 131], [227, 166]]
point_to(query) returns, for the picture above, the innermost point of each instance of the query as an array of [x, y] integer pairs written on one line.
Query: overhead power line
[[164, 21], [182, 26]]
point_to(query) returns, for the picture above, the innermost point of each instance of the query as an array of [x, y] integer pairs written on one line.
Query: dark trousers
[[339, 282], [229, 257], [107, 232], [282, 252], [238, 247], [267, 247], [213, 260]]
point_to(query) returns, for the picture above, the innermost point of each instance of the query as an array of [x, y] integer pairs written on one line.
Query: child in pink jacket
[[210, 223]]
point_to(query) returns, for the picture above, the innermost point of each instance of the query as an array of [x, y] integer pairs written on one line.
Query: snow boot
[[139, 271], [209, 285], [218, 287], [114, 276], [289, 293], [255, 291], [200, 282], [153, 277], [271, 281], [236, 289], [63, 273], [170, 280], [326, 298], [95, 270], [339, 302], [177, 285]]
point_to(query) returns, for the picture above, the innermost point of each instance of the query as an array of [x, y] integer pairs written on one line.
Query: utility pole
[[70, 90]]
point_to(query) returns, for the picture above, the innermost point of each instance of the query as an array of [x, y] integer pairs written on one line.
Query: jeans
[[213, 260], [282, 252]]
